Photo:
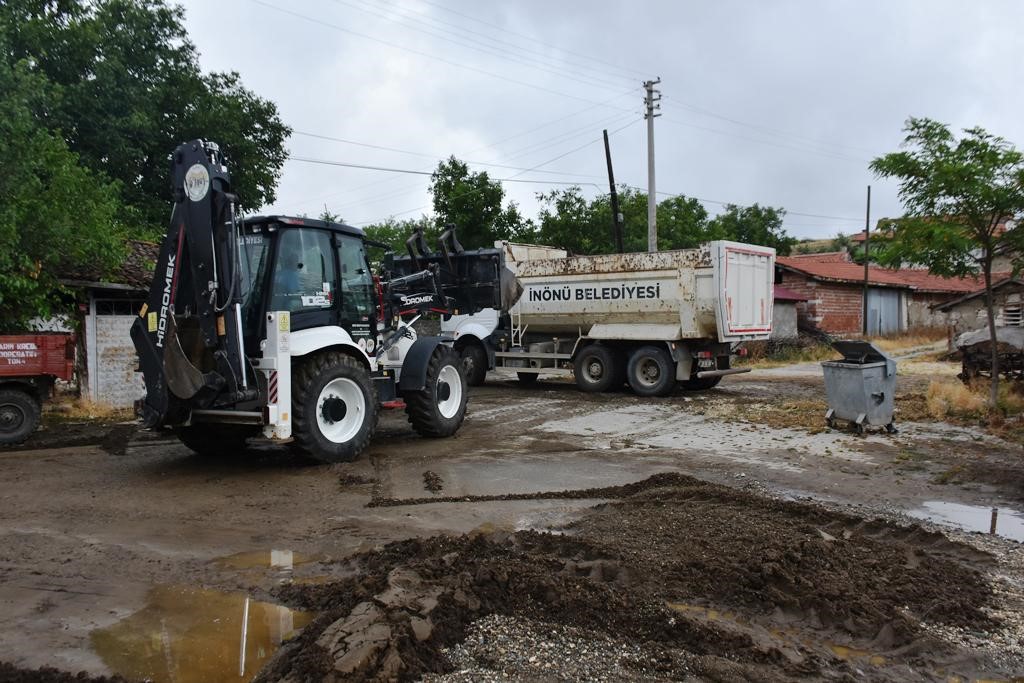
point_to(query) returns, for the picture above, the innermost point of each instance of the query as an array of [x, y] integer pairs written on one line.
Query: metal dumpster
[[861, 387]]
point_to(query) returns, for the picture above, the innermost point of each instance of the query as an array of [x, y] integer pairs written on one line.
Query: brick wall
[[831, 307], [971, 315]]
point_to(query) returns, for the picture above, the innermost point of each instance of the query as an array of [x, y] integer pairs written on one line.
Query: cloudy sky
[[779, 103]]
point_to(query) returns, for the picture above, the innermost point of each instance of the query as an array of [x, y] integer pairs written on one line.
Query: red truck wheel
[[19, 415]]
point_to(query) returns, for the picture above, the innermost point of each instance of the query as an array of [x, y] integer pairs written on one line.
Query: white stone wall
[[784, 320], [110, 357]]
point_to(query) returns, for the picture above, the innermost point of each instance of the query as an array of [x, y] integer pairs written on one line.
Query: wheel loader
[[275, 328]]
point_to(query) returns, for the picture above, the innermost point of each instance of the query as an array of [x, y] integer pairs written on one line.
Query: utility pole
[[652, 105], [867, 258], [616, 216]]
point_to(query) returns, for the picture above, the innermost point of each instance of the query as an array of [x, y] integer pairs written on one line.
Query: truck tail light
[[704, 354], [741, 352]]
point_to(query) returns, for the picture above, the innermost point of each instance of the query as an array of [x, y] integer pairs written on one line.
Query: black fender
[[414, 366]]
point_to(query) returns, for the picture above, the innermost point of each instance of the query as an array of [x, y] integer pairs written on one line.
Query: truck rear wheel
[[651, 371], [334, 407], [439, 408], [474, 363], [214, 440], [598, 368], [19, 415]]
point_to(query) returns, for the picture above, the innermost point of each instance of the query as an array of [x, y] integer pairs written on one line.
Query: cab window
[[304, 271], [358, 304]]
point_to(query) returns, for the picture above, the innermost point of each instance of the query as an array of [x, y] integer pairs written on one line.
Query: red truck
[[30, 364]]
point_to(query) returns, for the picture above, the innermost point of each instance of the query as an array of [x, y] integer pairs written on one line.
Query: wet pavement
[[123, 562]]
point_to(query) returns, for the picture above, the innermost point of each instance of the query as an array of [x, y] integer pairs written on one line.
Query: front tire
[[474, 363], [651, 371], [598, 368], [334, 407], [19, 416], [439, 408]]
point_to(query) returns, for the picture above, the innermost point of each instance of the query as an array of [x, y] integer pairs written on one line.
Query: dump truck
[[30, 365], [649, 320]]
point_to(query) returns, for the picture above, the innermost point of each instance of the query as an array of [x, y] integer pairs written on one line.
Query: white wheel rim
[[449, 384], [344, 427]]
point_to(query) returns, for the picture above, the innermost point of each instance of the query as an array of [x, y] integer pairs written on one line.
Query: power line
[[430, 156], [427, 55], [721, 203], [481, 47], [346, 164], [514, 177], [633, 72]]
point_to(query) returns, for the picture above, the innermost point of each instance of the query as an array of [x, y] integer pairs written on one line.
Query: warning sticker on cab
[[151, 321], [284, 322]]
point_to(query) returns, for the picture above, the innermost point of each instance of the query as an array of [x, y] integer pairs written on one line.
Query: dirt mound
[[12, 674], [655, 568]]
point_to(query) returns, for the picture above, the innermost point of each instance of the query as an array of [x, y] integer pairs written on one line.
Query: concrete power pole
[[652, 99]]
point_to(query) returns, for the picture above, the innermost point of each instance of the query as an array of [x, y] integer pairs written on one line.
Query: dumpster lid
[[859, 351]]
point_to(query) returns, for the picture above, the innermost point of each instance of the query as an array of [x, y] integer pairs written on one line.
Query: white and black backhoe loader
[[275, 327]]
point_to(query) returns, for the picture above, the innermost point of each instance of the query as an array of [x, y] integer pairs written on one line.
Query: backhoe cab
[[275, 327]]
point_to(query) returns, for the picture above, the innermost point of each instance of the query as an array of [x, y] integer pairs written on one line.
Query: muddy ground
[[791, 553]]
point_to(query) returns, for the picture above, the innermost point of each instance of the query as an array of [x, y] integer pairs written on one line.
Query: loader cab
[[316, 270]]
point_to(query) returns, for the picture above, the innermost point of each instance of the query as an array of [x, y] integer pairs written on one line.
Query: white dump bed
[[722, 290]]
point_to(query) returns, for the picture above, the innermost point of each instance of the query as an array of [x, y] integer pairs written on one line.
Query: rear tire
[[598, 368], [651, 371], [19, 416], [439, 408], [474, 363], [214, 440], [700, 384], [334, 407]]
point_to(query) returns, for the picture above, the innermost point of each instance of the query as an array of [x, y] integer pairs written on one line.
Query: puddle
[[264, 559], [1000, 521], [847, 653], [195, 635]]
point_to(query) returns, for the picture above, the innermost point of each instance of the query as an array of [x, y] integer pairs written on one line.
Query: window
[[118, 306], [304, 272], [357, 291], [1013, 316]]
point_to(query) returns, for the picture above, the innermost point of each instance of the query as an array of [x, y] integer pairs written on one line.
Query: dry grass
[[953, 399], [81, 409], [909, 340], [786, 355]]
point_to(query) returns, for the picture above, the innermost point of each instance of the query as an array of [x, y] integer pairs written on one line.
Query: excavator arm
[[188, 335]]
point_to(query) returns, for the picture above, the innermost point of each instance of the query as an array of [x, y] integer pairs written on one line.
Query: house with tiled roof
[[107, 306], [898, 300]]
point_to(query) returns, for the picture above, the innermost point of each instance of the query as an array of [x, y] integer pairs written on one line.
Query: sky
[[780, 103]]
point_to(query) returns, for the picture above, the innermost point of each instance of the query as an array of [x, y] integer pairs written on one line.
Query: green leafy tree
[[475, 204], [957, 193], [127, 89], [569, 221], [55, 215], [394, 232], [754, 224]]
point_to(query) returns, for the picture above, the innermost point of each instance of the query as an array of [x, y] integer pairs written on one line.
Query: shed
[[898, 299], [967, 312], [108, 306], [784, 315]]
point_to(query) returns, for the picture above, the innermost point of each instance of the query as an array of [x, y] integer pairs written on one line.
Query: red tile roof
[[784, 294], [824, 257], [904, 278]]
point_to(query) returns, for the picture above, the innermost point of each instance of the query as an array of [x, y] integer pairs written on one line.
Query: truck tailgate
[[744, 277]]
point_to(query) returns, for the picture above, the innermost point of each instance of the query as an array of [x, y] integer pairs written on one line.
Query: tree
[[755, 225], [569, 221], [394, 233], [127, 89], [475, 204], [55, 215], [957, 195]]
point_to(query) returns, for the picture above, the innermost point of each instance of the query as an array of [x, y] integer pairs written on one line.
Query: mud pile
[[659, 569], [12, 674]]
